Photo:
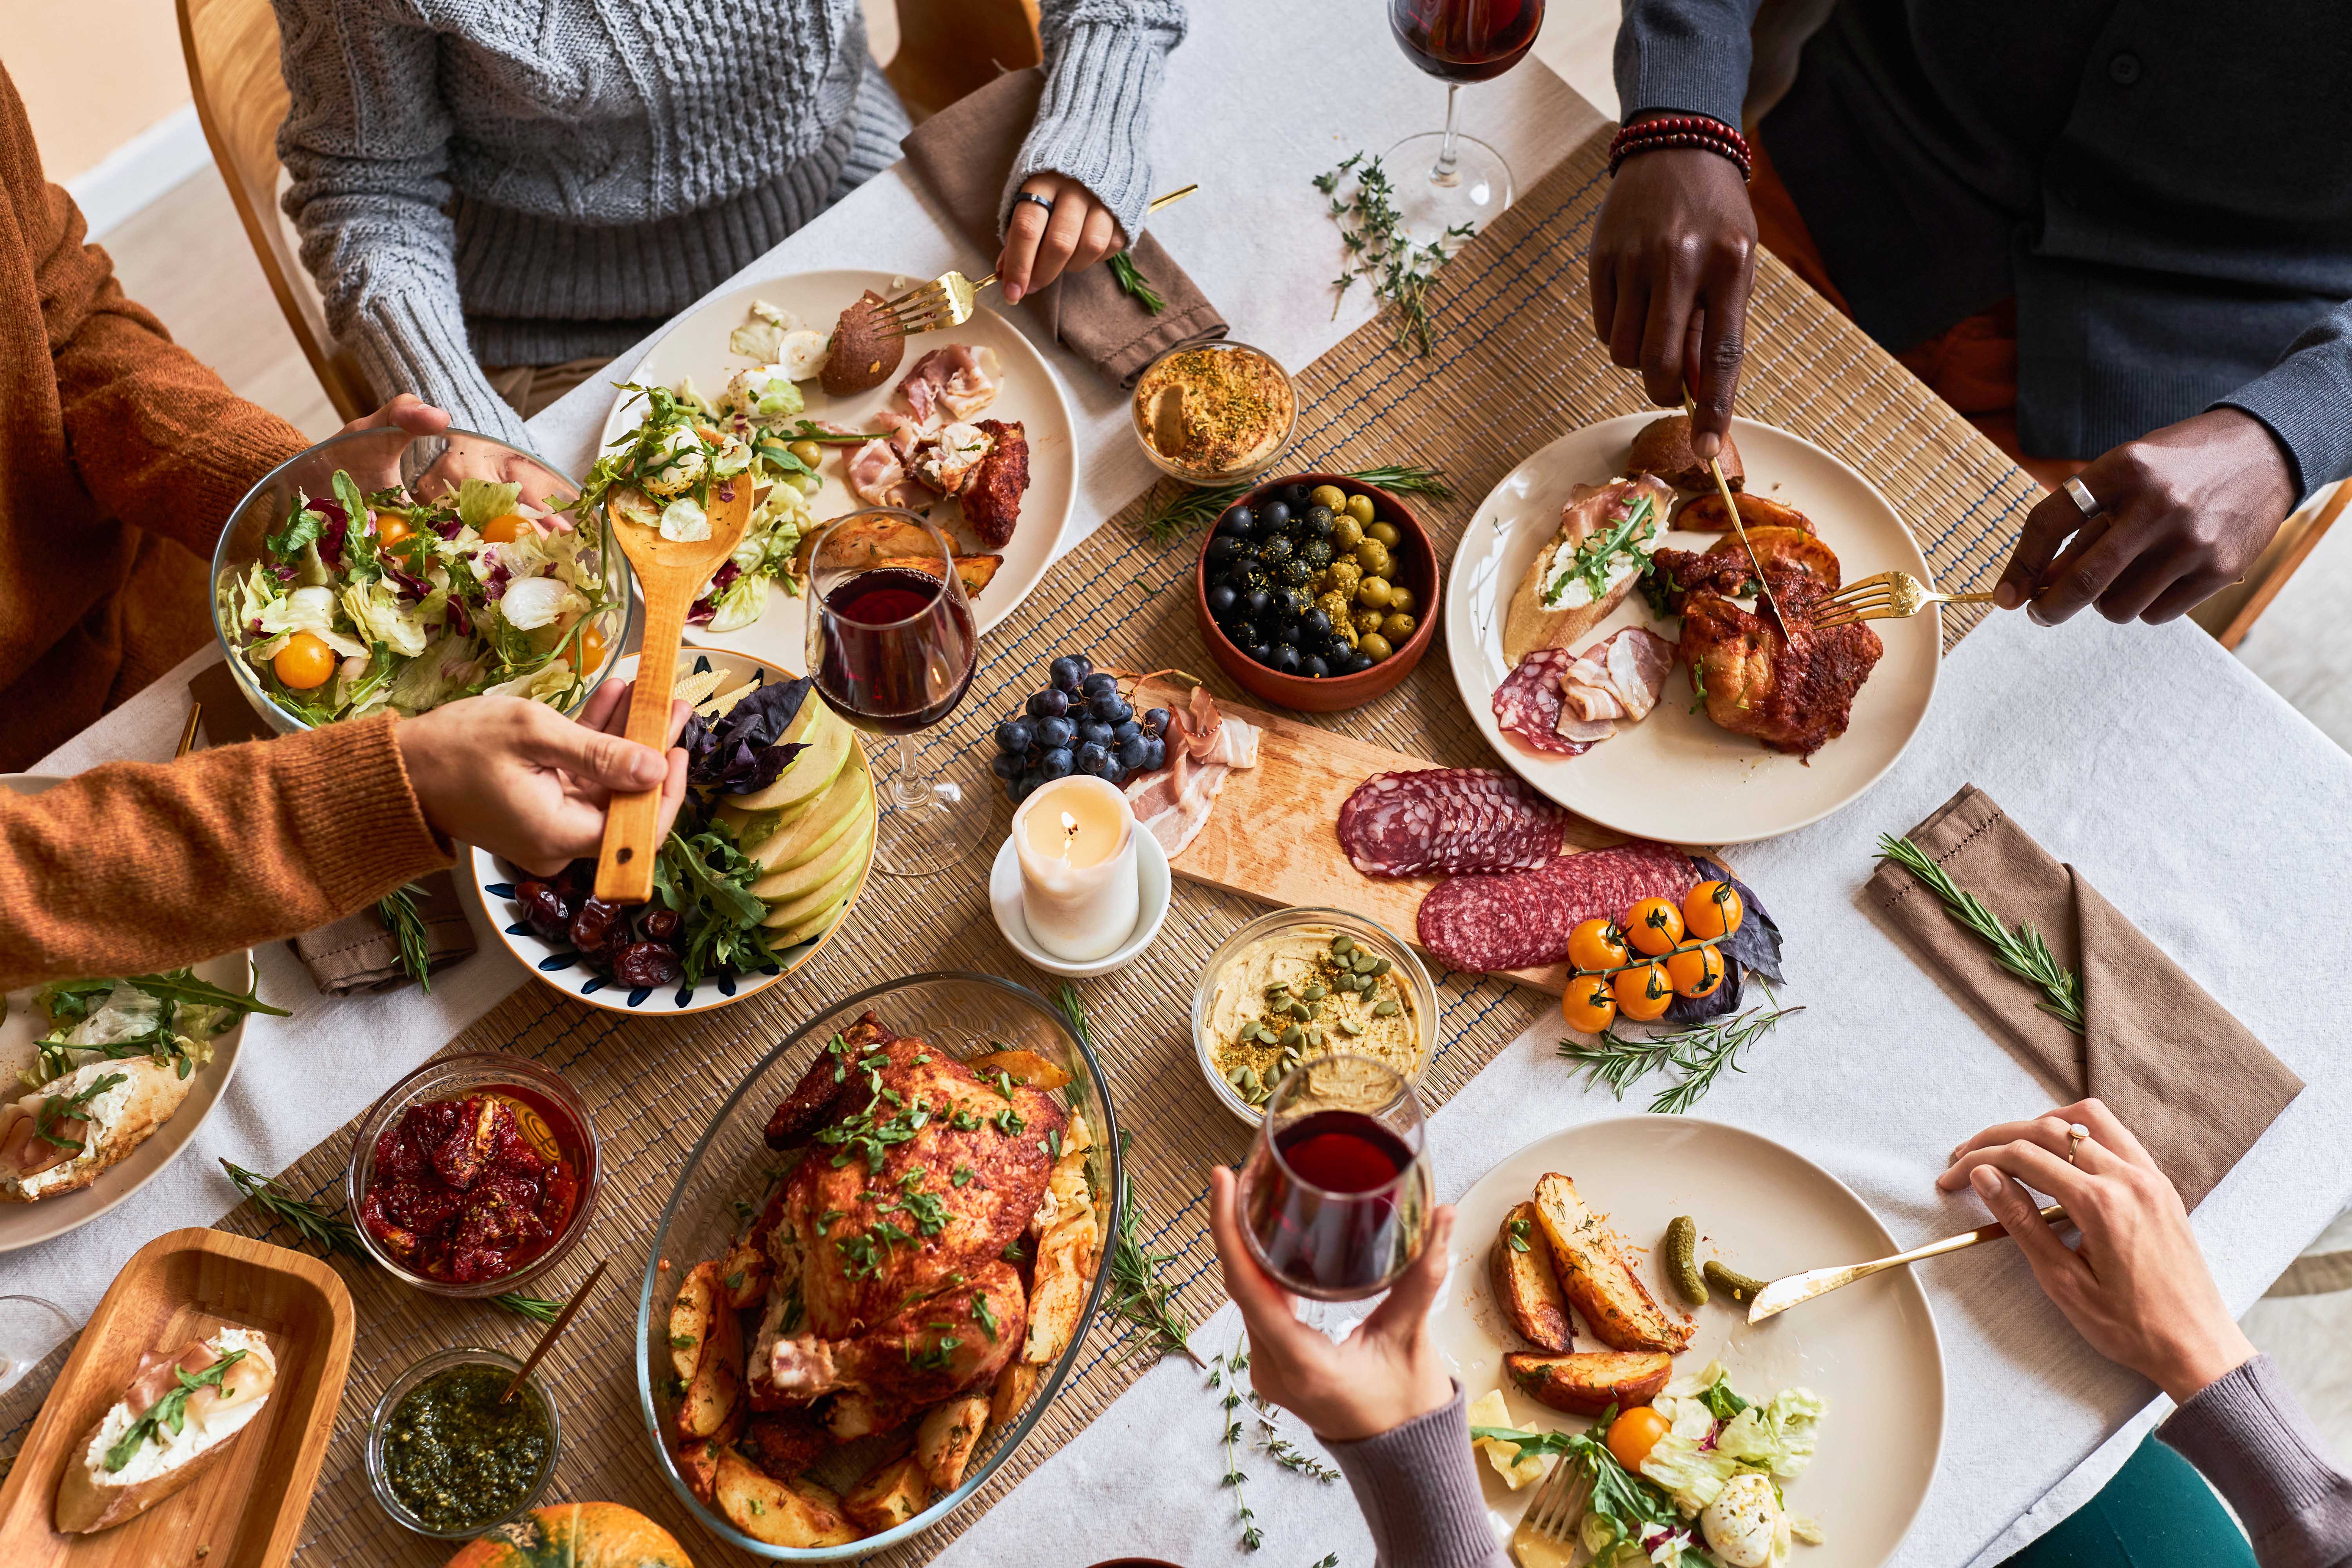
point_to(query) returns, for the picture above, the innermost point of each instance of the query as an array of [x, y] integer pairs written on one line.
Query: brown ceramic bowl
[[1417, 570]]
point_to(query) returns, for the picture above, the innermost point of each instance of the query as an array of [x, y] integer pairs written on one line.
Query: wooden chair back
[[2231, 614], [232, 49], [949, 47]]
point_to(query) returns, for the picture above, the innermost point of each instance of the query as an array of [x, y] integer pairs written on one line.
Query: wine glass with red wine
[[892, 648], [1457, 41], [1336, 1195]]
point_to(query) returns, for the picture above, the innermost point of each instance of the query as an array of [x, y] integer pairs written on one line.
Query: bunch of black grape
[[1078, 724]]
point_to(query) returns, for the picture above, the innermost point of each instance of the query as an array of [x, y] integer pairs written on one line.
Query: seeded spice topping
[[1214, 412]]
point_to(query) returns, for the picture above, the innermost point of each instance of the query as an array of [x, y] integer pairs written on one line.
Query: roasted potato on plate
[[889, 1496], [743, 1276], [1058, 1294], [717, 1386], [1705, 514], [782, 1513], [1526, 1283], [1597, 1279], [697, 1462], [1586, 1383], [689, 1317], [1014, 1385], [1021, 1067], [946, 1438]]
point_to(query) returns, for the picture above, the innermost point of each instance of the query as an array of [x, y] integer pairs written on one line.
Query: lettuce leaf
[[478, 501]]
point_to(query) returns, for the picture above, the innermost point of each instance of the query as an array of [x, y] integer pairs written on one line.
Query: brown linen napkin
[[356, 953], [2192, 1082], [964, 154]]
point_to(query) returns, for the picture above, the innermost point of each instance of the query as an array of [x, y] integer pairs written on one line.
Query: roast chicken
[[1793, 691]]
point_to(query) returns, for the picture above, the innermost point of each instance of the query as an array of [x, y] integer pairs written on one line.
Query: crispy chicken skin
[[991, 499], [1794, 693]]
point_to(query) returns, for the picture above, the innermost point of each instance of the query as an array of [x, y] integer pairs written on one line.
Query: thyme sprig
[[1134, 284], [1224, 1371], [1700, 1053], [397, 911], [333, 1233], [1192, 508], [2022, 951], [1382, 252]]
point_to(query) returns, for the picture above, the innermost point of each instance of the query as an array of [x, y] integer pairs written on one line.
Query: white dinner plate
[[22, 1225], [696, 347], [1869, 1351], [1676, 776]]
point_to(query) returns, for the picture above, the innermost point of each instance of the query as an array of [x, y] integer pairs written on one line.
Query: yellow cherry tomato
[[391, 529], [1633, 1434], [585, 652], [505, 530], [304, 662], [1696, 970], [1597, 944], [1587, 1005], [1653, 926], [1643, 993], [1712, 909]]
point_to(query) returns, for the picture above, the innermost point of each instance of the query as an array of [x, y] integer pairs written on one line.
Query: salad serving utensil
[[948, 301], [1796, 1288], [1547, 1535], [670, 572]]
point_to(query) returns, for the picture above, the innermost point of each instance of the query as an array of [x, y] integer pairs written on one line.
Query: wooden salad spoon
[[670, 571]]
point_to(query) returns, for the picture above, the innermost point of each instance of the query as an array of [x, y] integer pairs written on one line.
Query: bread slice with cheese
[[1607, 532], [179, 1415]]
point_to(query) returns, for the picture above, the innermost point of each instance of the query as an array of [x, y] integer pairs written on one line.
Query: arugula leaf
[[1625, 1501], [359, 563], [172, 1410], [58, 1108], [1591, 563], [781, 460]]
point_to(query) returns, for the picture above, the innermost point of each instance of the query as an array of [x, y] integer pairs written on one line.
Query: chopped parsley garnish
[[963, 1175]]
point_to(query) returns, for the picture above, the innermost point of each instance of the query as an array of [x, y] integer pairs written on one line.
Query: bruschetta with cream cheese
[[1607, 532], [62, 1136], [179, 1415]]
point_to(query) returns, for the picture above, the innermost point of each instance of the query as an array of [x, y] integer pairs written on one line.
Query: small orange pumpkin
[[576, 1535]]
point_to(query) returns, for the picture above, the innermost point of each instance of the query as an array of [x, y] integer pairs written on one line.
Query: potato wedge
[[1596, 1278], [697, 1463], [717, 1386], [1705, 514], [945, 1439], [1014, 1385], [889, 1496], [1586, 1383], [1057, 1294], [1525, 1283], [689, 1317], [782, 1513], [1791, 547], [1021, 1066], [743, 1276], [868, 541]]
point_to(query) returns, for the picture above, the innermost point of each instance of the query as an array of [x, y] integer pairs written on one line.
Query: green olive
[[1386, 532], [1331, 496], [1366, 622], [1401, 600], [1343, 575], [1396, 627], [1375, 645], [1361, 509], [1373, 593], [808, 452], [807, 484], [1373, 557], [1346, 534]]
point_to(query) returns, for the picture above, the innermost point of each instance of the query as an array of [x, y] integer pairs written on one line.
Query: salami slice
[[1527, 703], [1521, 919], [1451, 820]]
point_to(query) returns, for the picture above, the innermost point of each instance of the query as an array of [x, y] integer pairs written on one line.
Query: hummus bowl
[[1297, 983]]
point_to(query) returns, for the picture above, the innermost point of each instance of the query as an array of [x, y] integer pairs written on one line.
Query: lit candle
[[1076, 840]]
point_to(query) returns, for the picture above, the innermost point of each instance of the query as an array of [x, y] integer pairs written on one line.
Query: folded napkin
[[964, 155], [2190, 1081], [358, 952]]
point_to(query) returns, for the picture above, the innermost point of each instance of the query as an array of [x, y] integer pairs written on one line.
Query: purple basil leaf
[[1755, 946], [741, 754]]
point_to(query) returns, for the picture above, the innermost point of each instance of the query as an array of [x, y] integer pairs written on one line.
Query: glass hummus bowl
[[1210, 412]]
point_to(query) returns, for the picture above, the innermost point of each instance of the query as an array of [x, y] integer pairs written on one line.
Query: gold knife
[[1738, 526], [1782, 1294]]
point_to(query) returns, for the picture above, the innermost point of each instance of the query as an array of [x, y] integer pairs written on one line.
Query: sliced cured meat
[[960, 379], [1639, 662], [1451, 820], [1203, 746], [1521, 919], [1528, 704], [880, 479]]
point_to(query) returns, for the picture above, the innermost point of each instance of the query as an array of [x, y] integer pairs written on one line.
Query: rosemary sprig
[[397, 911], [1699, 1053], [1380, 250], [2020, 952], [1236, 1363], [333, 1233], [1134, 284], [1190, 508]]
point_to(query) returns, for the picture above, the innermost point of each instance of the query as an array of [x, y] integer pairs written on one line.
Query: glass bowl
[[730, 1168], [1318, 925], [441, 1361], [377, 459], [449, 1078], [1144, 403]]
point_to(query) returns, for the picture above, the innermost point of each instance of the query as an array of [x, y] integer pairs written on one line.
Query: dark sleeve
[[1690, 56], [2247, 1435], [2302, 399], [1418, 1486]]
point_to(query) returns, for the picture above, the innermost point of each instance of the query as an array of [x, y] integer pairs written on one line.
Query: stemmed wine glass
[[892, 648], [30, 1327], [1337, 1192], [1456, 41]]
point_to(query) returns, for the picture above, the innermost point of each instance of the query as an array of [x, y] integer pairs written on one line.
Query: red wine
[[898, 650], [1466, 40], [1328, 1214]]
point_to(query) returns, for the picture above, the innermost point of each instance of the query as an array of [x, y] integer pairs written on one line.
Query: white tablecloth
[[2195, 799]]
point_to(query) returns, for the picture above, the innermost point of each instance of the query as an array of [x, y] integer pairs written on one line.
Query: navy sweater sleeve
[[1689, 55], [2303, 399]]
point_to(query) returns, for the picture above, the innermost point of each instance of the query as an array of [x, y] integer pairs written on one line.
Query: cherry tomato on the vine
[[1642, 993], [1597, 944], [1587, 1005], [1696, 970], [1711, 910], [1653, 926], [1633, 1434]]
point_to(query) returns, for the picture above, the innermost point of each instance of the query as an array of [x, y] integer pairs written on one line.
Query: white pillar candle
[[1079, 890]]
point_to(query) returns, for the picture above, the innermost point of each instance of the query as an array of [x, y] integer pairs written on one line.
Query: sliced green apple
[[846, 861], [819, 828]]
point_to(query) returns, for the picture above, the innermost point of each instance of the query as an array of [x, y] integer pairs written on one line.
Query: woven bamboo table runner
[[1514, 365]]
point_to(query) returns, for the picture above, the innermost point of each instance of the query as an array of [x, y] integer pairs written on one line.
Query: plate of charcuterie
[[790, 379], [1607, 634]]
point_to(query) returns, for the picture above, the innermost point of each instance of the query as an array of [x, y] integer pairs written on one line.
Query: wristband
[[1682, 130]]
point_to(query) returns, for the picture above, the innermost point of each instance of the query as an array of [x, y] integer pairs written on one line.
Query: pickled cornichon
[[1679, 1254]]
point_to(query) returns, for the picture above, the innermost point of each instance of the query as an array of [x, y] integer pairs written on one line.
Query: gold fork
[[947, 299], [1548, 1536], [1890, 596]]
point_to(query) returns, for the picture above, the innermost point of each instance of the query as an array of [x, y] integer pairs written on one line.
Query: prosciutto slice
[[1203, 747], [959, 378], [877, 476]]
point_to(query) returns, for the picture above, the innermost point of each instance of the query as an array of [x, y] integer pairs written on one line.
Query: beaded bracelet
[[1682, 130]]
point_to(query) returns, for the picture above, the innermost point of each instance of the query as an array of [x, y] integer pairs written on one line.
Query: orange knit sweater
[[120, 456]]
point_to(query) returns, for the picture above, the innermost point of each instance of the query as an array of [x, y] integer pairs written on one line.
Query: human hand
[[1037, 249], [1381, 1376], [530, 785], [2137, 1288], [1673, 256], [2183, 513], [407, 413]]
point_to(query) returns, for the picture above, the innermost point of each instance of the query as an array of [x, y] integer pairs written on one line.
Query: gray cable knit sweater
[[487, 181]]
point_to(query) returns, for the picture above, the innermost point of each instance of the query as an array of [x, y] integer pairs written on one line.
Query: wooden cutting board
[[1274, 836]]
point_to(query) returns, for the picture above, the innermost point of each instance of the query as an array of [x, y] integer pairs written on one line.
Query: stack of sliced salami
[[1449, 820], [1521, 919]]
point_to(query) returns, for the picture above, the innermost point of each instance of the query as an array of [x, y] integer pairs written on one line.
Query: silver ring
[[2080, 494], [1045, 202]]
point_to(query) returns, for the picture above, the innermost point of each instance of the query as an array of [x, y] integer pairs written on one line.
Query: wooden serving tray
[[248, 1512], [1274, 835]]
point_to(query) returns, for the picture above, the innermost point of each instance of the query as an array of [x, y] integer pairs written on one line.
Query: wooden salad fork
[[670, 572], [1796, 1288], [1547, 1535], [1889, 596], [949, 299]]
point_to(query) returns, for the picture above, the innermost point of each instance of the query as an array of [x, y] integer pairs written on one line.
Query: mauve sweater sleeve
[[1418, 1486], [1104, 62], [2248, 1436]]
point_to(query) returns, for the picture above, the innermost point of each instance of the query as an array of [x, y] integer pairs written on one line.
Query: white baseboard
[[140, 170]]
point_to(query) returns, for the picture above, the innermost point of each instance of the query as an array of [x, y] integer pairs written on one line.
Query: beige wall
[[93, 73]]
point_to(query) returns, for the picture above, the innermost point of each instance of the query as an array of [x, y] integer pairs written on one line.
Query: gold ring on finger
[[2075, 1135]]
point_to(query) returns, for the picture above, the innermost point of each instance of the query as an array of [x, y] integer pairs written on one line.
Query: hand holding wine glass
[[1336, 1195]]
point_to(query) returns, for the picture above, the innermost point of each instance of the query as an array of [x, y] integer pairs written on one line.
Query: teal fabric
[[2157, 1512]]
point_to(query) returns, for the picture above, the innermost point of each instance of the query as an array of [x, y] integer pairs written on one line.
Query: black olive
[[1292, 602], [1297, 496], [1259, 600], [1313, 664], [1243, 632], [1261, 651], [1358, 662], [1286, 632], [1273, 551], [1294, 574], [1222, 548], [1236, 523], [1221, 601], [1286, 659], [1272, 518], [1319, 521], [1315, 552], [1315, 625]]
